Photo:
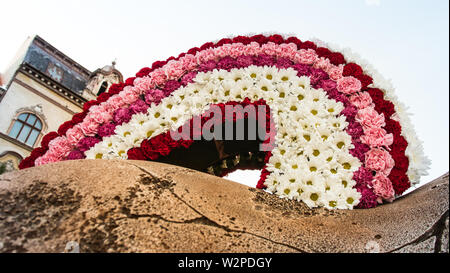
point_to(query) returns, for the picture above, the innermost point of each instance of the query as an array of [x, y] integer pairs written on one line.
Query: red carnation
[[136, 154], [47, 138], [260, 39], [224, 41], [400, 181], [365, 80], [352, 69], [26, 163], [393, 127], [90, 103], [148, 151], [323, 52], [385, 107], [206, 45], [130, 81], [242, 39], [103, 97], [116, 88], [277, 39], [78, 118], [181, 55], [308, 45], [294, 40], [264, 174], [399, 144], [158, 64], [193, 50], [170, 58], [143, 72], [64, 127], [38, 152], [336, 58], [401, 160], [375, 93]]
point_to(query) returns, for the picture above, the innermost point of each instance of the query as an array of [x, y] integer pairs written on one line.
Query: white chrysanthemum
[[286, 75], [235, 75], [203, 78], [341, 141], [302, 82], [348, 162], [311, 196], [315, 148], [254, 72], [119, 150], [333, 107], [337, 123], [270, 74], [349, 199]]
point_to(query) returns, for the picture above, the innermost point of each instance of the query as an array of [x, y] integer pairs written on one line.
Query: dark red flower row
[[163, 144]]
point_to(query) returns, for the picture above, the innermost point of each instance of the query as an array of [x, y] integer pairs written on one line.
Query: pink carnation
[[377, 137], [323, 63], [379, 160], [154, 96], [75, 154], [220, 52], [99, 115], [158, 77], [59, 147], [46, 159], [188, 78], [74, 135], [87, 143], [236, 49], [188, 62], [348, 85], [287, 50], [269, 49], [106, 130], [89, 127], [128, 95], [251, 49], [143, 84], [205, 55], [369, 118], [335, 72], [383, 188], [361, 100], [115, 102], [122, 115], [308, 56], [138, 106], [174, 69]]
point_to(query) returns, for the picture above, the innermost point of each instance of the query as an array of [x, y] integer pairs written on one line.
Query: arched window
[[26, 129], [102, 88]]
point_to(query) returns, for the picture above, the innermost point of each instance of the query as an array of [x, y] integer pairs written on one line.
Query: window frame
[[32, 127]]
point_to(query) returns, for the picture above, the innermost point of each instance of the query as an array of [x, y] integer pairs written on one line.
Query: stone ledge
[[136, 206]]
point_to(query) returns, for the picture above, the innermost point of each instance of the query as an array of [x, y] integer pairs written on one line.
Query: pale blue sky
[[406, 41]]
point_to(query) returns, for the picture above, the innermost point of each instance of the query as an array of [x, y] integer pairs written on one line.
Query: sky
[[406, 41]]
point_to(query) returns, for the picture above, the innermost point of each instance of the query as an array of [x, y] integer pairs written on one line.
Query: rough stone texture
[[134, 206]]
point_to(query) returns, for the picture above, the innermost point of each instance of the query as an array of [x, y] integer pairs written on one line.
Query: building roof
[[51, 62]]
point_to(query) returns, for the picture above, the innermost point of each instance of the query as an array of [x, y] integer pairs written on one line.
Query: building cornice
[[65, 108], [52, 84]]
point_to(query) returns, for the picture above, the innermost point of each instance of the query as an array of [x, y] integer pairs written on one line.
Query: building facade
[[41, 89]]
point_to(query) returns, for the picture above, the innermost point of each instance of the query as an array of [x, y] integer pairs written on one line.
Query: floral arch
[[340, 138]]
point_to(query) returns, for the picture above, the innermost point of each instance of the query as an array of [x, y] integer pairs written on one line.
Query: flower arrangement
[[338, 140]]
